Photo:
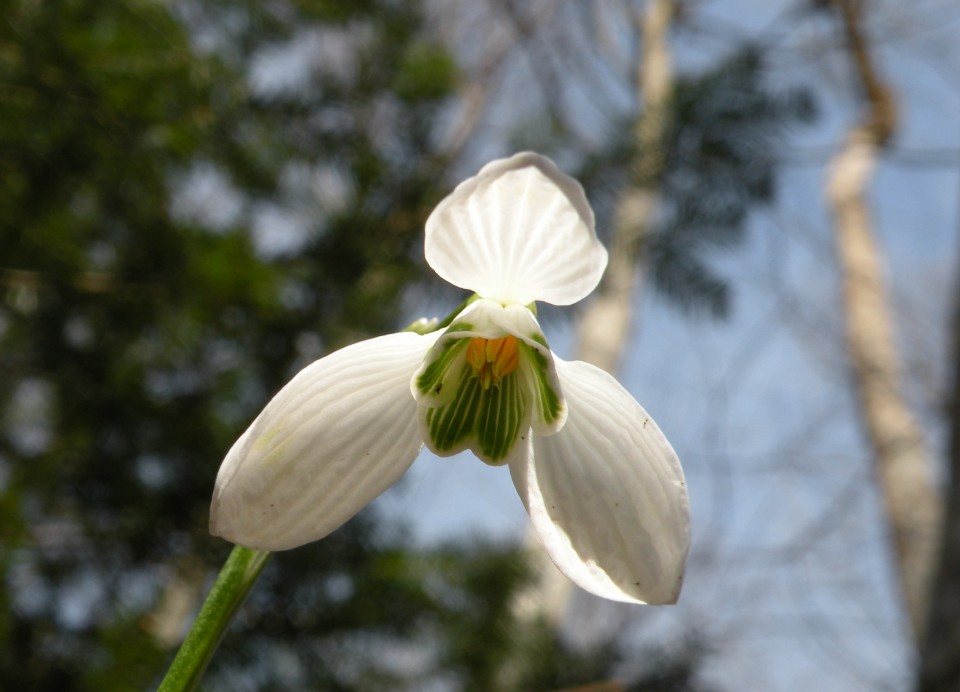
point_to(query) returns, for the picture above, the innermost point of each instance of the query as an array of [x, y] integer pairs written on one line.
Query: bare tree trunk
[[605, 324], [902, 463], [939, 657], [178, 602]]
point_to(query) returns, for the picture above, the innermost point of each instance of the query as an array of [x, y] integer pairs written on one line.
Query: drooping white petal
[[606, 494], [334, 438], [518, 231]]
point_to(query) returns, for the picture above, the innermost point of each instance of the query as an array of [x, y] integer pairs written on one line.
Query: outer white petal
[[518, 231], [606, 494], [334, 438]]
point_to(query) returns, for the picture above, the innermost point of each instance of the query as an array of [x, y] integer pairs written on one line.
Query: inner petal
[[486, 419], [489, 376]]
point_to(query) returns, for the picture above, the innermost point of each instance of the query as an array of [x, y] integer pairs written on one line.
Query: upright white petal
[[334, 438], [606, 494], [518, 231]]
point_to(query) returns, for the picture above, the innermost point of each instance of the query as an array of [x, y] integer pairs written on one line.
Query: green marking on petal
[[429, 381], [452, 424], [540, 339], [500, 417], [487, 419], [548, 400]]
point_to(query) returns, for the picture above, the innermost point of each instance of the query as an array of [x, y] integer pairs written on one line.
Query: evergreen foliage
[[140, 333]]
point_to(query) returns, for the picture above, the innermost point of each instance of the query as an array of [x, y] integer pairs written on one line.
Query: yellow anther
[[493, 359]]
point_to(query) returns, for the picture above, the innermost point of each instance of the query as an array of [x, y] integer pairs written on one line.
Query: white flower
[[603, 487]]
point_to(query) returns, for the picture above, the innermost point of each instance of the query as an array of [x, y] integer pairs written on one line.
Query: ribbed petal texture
[[334, 438], [517, 232], [606, 494]]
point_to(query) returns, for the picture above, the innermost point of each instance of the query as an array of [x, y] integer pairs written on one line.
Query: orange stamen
[[493, 359]]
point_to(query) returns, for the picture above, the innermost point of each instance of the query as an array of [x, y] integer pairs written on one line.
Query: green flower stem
[[239, 574]]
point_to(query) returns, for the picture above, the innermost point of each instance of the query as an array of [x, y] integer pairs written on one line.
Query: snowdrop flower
[[603, 487]]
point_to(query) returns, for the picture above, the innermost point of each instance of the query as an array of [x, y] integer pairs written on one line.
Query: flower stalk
[[237, 577]]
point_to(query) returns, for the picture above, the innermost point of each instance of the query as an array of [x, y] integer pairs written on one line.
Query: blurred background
[[199, 197]]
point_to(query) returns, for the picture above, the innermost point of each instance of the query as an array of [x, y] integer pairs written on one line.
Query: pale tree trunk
[[940, 649], [902, 463], [169, 619], [605, 324]]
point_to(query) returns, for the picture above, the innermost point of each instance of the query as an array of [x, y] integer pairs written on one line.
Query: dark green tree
[[141, 331]]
